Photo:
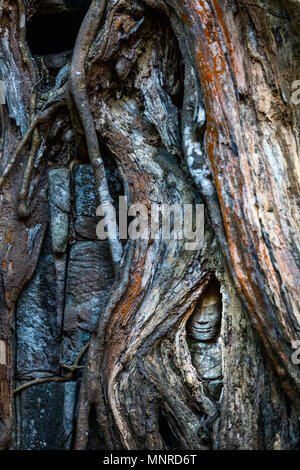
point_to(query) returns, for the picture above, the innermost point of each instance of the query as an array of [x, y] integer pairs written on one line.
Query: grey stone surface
[[203, 329], [70, 286], [90, 275], [59, 188], [207, 360], [59, 230], [86, 203], [40, 422], [85, 194], [37, 329], [86, 199], [69, 413], [59, 203], [86, 227], [60, 270], [46, 416]]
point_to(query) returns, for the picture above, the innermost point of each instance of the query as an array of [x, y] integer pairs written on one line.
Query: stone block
[[37, 330], [86, 202], [40, 417], [69, 413], [89, 278], [59, 204], [86, 227]]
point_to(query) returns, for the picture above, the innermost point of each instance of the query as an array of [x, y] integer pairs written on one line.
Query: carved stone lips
[[202, 329]]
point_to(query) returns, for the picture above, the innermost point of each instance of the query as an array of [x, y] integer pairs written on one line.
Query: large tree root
[[40, 118], [78, 88], [23, 209]]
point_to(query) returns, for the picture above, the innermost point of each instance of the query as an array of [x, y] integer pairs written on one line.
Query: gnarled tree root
[[78, 88]]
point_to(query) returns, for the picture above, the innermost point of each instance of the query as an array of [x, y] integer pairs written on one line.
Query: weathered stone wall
[[58, 310]]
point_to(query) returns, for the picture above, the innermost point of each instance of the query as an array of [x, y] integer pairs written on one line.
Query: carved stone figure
[[203, 328]]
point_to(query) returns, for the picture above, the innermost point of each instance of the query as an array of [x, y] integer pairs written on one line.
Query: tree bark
[[192, 98]]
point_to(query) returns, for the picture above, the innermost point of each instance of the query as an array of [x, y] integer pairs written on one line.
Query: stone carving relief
[[203, 328]]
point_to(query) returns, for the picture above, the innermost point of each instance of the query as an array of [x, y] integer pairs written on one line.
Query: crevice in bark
[[115, 181], [166, 432], [95, 440]]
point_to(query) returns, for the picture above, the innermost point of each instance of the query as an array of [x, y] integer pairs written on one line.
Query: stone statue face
[[204, 324]]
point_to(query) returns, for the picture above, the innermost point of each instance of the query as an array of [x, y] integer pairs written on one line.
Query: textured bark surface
[[169, 102]]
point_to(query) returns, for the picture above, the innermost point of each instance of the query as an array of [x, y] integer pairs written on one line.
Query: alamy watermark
[[153, 221]]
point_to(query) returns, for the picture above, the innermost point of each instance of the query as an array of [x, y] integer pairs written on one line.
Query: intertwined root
[[78, 88], [55, 103], [75, 81], [23, 210], [69, 376]]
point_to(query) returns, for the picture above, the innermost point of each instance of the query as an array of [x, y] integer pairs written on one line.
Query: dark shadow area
[[166, 432], [53, 33], [95, 440]]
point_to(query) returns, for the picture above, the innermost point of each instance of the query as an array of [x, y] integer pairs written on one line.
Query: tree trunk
[[191, 101]]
